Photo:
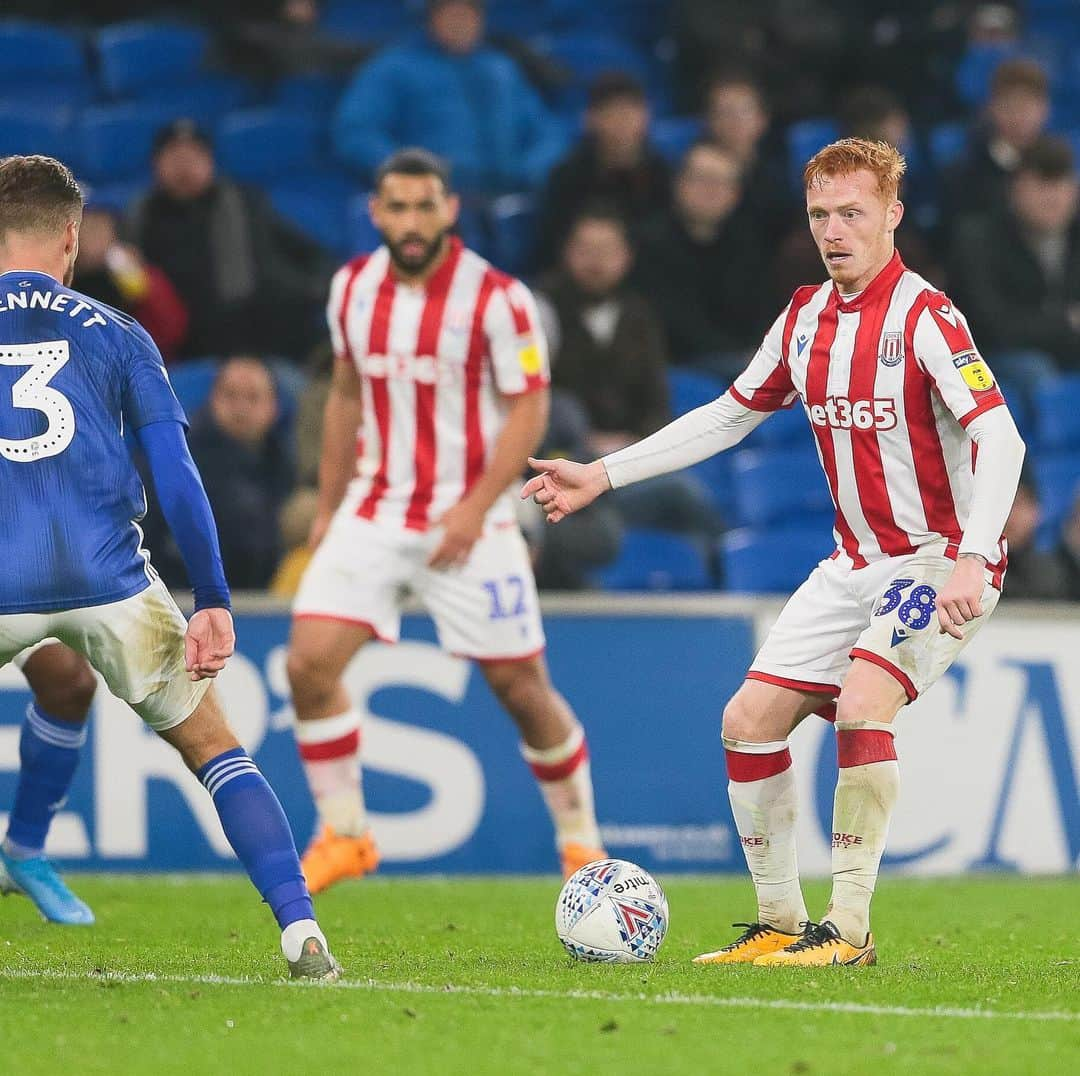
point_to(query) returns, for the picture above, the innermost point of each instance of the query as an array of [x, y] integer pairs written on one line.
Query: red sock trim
[[859, 747], [746, 767], [342, 747], [556, 771]]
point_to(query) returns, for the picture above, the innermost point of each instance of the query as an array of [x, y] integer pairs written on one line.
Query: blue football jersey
[[74, 375]]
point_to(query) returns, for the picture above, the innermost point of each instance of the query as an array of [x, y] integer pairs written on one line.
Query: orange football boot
[[331, 858], [758, 939], [574, 856], [821, 946]]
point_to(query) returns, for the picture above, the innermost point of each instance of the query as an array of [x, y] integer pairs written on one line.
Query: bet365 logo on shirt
[[841, 414]]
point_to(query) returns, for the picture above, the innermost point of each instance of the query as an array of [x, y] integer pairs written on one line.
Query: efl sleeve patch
[[974, 371], [529, 357]]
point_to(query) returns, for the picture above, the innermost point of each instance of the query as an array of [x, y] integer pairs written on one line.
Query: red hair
[[886, 163]]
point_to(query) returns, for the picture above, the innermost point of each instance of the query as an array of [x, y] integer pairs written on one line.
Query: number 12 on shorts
[[507, 597], [916, 610]]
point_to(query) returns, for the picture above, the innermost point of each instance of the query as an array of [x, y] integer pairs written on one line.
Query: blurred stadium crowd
[[637, 161]]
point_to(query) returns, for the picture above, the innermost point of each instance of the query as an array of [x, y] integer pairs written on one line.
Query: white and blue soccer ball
[[611, 912]]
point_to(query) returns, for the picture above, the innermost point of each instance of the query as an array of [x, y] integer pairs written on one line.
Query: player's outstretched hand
[[209, 642], [563, 487], [960, 600]]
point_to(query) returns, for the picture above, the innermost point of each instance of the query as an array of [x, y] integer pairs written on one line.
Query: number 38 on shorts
[[913, 604]]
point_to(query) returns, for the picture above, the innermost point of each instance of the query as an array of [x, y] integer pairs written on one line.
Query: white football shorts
[[883, 613], [487, 610], [137, 645]]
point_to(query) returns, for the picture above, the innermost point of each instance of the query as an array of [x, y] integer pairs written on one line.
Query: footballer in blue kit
[[75, 376]]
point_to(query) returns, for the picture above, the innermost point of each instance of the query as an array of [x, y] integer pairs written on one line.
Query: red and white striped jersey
[[437, 363], [889, 381]]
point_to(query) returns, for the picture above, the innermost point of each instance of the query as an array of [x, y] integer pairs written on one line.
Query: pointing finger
[[543, 465]]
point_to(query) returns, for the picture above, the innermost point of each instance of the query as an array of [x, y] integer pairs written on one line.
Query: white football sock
[[866, 792], [295, 934], [765, 807], [330, 752], [564, 777]]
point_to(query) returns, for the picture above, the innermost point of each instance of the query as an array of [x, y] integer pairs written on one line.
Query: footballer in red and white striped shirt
[[922, 459], [439, 394]]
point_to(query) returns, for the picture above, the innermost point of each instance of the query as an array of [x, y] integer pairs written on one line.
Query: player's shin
[[761, 784], [48, 754], [259, 833], [866, 792], [564, 777], [329, 749]]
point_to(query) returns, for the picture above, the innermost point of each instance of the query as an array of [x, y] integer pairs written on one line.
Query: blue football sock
[[48, 755], [259, 833]]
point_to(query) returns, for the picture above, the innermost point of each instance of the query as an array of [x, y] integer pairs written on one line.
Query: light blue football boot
[[37, 878]]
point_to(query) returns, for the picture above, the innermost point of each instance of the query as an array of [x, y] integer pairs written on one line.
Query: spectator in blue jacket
[[449, 92]]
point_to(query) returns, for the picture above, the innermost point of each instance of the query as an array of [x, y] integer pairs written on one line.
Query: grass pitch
[[466, 976]]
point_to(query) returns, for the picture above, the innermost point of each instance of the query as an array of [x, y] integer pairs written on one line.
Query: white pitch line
[[669, 998]]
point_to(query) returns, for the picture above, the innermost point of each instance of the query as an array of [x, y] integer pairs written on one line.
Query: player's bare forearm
[[522, 432], [341, 421]]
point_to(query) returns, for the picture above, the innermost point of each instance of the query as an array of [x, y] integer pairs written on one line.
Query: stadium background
[[444, 778]]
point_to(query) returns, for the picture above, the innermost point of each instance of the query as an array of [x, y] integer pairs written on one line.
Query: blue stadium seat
[[522, 18], [948, 141], [42, 67], [263, 144], [513, 221], [641, 21], [310, 93], [976, 68], [191, 381], [36, 50], [689, 389], [674, 135], [114, 141], [587, 55], [774, 560], [1057, 411], [787, 427], [61, 94], [804, 139], [1058, 478], [139, 56], [48, 132], [371, 20], [779, 485], [116, 197], [319, 207], [361, 235], [656, 560], [205, 99]]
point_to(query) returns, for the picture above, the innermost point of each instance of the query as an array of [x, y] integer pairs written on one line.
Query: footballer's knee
[[311, 679], [63, 683], [869, 693], [204, 735], [521, 687], [740, 722]]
